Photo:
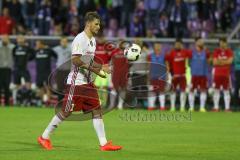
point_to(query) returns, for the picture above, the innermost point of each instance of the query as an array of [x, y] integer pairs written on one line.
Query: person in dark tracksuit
[[5, 67], [22, 54], [43, 57]]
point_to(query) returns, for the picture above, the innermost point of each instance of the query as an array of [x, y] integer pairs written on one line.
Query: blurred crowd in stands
[[132, 18]]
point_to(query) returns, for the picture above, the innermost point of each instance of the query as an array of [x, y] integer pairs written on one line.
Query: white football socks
[[182, 99], [120, 103], [121, 98], [191, 99], [99, 128], [162, 100], [173, 100], [97, 123], [113, 98], [227, 99], [151, 102], [203, 97], [216, 97], [50, 128], [14, 94], [151, 99]]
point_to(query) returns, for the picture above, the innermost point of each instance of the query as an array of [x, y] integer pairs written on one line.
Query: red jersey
[[119, 61], [222, 54], [120, 64], [6, 25], [101, 55], [177, 61]]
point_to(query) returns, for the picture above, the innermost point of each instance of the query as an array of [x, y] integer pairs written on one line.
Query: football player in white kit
[[81, 94]]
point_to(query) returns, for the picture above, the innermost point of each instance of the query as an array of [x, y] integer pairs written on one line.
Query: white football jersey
[[85, 47]]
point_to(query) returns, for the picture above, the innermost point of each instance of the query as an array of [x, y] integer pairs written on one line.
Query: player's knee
[[97, 113], [226, 93]]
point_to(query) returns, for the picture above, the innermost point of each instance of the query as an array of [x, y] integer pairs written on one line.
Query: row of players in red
[[175, 61]]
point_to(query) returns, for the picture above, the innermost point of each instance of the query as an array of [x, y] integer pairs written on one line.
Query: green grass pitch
[[213, 136]]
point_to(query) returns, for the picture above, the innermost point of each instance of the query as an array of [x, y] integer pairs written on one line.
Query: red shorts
[[158, 85], [81, 98], [223, 81], [179, 81], [199, 82]]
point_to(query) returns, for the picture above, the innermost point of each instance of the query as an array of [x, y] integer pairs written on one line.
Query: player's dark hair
[[197, 38], [145, 45], [41, 41], [223, 39], [178, 40], [63, 37], [157, 42], [90, 16]]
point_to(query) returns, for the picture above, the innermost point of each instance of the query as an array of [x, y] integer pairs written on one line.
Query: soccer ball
[[133, 52]]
